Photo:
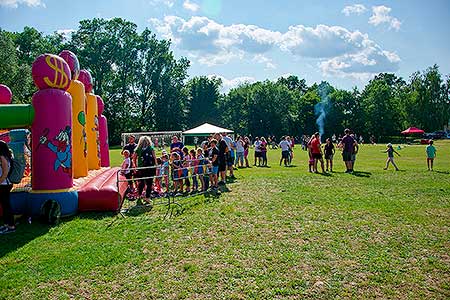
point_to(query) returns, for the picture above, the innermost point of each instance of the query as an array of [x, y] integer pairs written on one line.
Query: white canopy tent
[[205, 130]]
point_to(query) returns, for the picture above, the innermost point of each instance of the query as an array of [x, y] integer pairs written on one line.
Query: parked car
[[435, 135]]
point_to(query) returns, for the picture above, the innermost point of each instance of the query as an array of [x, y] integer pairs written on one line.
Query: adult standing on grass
[[131, 146], [329, 153], [355, 151], [390, 151], [316, 151], [347, 144], [214, 160], [240, 152], [222, 158], [5, 189], [263, 148], [257, 145], [146, 158], [247, 144], [431, 155], [230, 157], [285, 151]]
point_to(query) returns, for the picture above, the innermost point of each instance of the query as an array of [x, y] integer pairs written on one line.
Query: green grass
[[280, 233]]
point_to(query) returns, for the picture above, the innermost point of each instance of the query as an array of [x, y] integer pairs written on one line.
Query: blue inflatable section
[[31, 203]]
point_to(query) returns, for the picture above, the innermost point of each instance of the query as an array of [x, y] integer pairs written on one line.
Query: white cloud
[[362, 65], [228, 84], [259, 58], [357, 9], [381, 15], [205, 35], [168, 3], [16, 3], [191, 6], [337, 50], [322, 41]]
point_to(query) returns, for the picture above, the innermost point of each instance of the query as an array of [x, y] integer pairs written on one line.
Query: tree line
[[146, 88]]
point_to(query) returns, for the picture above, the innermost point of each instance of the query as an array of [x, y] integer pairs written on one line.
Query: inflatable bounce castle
[[68, 147]]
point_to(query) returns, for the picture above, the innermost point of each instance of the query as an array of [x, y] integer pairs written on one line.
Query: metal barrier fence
[[168, 174]]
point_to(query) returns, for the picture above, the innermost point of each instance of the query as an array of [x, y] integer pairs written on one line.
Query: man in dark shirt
[[131, 146], [214, 159], [176, 146], [222, 157], [348, 145]]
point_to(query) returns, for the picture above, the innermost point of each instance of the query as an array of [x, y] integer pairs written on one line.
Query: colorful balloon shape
[[5, 94], [86, 78], [51, 72], [100, 105], [72, 60]]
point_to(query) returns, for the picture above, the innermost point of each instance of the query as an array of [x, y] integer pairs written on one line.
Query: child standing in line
[[186, 167], [175, 163], [126, 165], [194, 169], [431, 155], [165, 171], [158, 183], [390, 151], [199, 169]]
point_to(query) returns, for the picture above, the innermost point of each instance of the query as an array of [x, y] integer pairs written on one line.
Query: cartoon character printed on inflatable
[[61, 148]]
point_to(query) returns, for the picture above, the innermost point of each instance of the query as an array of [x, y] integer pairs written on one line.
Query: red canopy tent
[[413, 130]]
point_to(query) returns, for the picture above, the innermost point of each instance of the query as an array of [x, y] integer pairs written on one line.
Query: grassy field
[[279, 233]]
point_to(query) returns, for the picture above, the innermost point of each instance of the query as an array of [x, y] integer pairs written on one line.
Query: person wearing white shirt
[[285, 146], [257, 144]]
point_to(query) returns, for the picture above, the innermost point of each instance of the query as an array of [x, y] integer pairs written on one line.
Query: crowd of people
[[211, 162], [194, 170], [208, 166]]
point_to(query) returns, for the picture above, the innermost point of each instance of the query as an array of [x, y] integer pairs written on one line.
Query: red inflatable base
[[101, 192]]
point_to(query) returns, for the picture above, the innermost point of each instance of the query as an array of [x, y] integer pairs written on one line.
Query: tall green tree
[[13, 73], [204, 95], [427, 106], [382, 104]]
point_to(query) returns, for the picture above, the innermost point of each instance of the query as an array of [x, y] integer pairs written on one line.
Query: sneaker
[[3, 228]]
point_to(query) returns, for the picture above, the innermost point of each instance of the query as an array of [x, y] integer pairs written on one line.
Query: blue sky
[[343, 42]]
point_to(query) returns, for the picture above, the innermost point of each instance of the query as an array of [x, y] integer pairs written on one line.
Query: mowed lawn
[[279, 233]]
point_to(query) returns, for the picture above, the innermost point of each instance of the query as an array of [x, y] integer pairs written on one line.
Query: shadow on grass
[[441, 172], [361, 174], [24, 234], [326, 174]]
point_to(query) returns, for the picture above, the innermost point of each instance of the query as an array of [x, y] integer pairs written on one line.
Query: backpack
[[16, 171], [147, 157]]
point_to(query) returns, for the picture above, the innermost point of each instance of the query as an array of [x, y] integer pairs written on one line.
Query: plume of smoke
[[321, 108]]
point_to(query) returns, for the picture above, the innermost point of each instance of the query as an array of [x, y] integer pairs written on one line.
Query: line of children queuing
[[202, 166]]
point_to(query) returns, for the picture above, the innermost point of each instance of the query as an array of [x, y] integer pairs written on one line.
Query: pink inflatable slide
[[101, 192]]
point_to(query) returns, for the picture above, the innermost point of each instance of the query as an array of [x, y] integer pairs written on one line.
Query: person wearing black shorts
[[329, 153], [348, 145], [222, 157]]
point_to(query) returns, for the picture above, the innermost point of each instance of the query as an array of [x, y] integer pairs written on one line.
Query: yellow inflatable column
[[92, 132], [79, 142], [77, 90]]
